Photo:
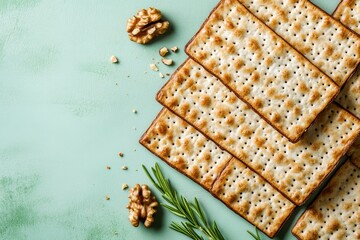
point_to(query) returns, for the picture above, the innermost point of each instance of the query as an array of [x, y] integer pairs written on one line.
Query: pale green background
[[65, 113]]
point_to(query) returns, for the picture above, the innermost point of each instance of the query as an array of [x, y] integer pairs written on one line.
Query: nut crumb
[[124, 168], [163, 51], [108, 167], [154, 67], [167, 61], [161, 75], [174, 49], [114, 59], [168, 74], [121, 154], [124, 186], [107, 198]]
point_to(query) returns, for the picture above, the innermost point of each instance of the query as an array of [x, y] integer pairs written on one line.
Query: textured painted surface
[[65, 113]]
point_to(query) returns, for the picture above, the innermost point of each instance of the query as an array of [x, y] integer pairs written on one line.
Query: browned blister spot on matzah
[[335, 213], [250, 73], [295, 169], [348, 12], [322, 40], [185, 149], [236, 185]]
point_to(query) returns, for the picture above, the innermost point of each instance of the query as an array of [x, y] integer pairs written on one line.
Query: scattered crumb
[[114, 59], [128, 76], [161, 75], [135, 128], [124, 168], [163, 51], [134, 149], [124, 186], [154, 67], [168, 74], [107, 198], [167, 61], [108, 167], [174, 49], [116, 233], [121, 154], [145, 72], [134, 111]]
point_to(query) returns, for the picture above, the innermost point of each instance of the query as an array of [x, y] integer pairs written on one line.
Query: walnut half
[[142, 205], [146, 25]]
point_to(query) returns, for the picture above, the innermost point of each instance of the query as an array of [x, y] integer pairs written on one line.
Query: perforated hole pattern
[[335, 212], [295, 169], [185, 148], [348, 12], [262, 69], [172, 139], [349, 97], [322, 40], [252, 197]]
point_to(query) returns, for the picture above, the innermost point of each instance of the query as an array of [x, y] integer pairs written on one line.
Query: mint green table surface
[[66, 112]]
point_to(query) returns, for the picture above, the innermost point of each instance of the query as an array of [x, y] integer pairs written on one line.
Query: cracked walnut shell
[[142, 205], [146, 25]]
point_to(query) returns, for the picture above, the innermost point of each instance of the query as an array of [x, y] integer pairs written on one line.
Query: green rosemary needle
[[192, 212]]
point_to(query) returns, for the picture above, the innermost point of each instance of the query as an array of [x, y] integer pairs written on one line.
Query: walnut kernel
[[146, 25], [142, 205]]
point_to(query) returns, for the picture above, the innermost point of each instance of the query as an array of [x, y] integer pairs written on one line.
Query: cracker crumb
[[134, 111], [174, 49], [124, 186], [161, 75], [154, 67], [107, 198], [124, 168], [121, 154], [114, 59]]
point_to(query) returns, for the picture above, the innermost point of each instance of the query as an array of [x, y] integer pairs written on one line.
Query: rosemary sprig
[[190, 211], [255, 236]]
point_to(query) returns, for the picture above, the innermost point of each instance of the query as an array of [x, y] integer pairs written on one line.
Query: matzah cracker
[[185, 149], [252, 197], [335, 213], [262, 69], [348, 12], [349, 97], [322, 40], [354, 153], [241, 189], [295, 169]]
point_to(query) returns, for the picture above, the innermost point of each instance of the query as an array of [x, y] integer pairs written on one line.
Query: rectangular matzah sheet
[[252, 197], [325, 42], [348, 12], [191, 153], [335, 213], [262, 69], [295, 169]]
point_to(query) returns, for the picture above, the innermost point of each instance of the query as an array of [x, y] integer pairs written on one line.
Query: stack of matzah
[[249, 117]]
